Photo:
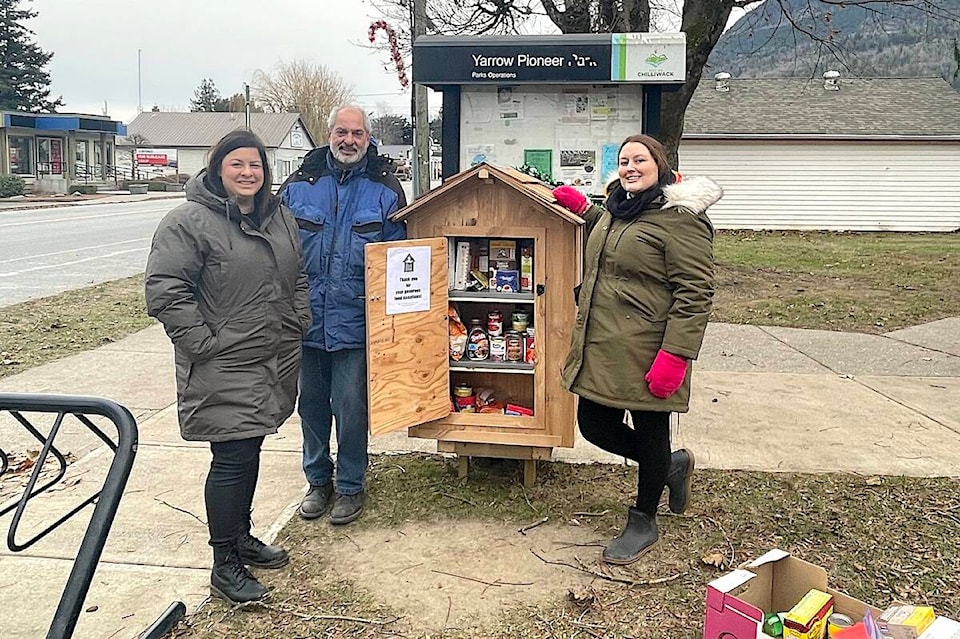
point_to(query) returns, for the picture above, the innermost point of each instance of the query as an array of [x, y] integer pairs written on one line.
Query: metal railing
[[107, 499]]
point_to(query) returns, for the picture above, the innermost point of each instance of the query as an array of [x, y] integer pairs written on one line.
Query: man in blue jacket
[[342, 197]]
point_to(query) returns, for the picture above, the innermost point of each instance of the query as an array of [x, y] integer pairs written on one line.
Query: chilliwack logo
[[655, 59]]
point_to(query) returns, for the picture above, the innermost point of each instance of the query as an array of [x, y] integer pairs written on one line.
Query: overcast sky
[[95, 45], [181, 42]]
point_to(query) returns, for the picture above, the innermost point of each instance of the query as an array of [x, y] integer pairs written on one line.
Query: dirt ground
[[463, 575]]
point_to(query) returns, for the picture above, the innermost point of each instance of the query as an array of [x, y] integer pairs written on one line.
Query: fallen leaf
[[714, 559]]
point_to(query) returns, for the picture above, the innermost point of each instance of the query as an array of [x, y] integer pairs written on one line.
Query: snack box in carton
[[942, 628], [901, 621], [808, 617], [774, 582]]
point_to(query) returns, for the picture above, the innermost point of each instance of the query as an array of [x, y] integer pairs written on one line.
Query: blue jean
[[334, 385]]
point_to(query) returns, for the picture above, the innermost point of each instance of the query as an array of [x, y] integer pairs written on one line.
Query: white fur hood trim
[[696, 194]]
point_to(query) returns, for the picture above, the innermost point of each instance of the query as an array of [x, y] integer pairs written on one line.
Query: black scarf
[[626, 208]]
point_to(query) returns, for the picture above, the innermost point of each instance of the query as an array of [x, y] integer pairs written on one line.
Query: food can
[[462, 390], [494, 323], [519, 321], [498, 348], [837, 622], [529, 347], [514, 347]]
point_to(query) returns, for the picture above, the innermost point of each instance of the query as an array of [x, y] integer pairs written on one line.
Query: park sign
[[652, 58]]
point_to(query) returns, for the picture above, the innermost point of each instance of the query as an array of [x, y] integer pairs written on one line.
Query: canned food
[[462, 390], [519, 322], [514, 347], [494, 323], [498, 348], [837, 622]]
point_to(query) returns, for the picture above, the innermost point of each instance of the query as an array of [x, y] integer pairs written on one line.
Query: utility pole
[[139, 91], [418, 110], [246, 103]]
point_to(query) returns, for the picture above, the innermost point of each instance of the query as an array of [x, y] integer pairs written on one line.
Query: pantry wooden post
[[512, 253]]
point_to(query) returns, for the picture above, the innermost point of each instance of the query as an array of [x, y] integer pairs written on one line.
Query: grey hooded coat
[[234, 300], [647, 284]]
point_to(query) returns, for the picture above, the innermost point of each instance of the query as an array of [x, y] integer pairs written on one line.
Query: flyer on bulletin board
[[541, 160]]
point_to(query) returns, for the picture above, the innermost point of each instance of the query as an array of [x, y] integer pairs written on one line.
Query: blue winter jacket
[[339, 212]]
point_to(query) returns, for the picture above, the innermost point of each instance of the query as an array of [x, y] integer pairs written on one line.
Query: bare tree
[[302, 87], [703, 21]]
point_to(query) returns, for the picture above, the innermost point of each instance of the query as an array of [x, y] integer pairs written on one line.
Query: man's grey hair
[[367, 126]]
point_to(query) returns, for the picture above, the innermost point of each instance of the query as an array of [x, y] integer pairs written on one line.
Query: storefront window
[[50, 156], [82, 153], [21, 155]]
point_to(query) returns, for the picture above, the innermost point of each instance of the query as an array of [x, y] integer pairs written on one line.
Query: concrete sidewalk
[[764, 398]]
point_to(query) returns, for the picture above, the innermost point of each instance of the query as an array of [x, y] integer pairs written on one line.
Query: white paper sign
[[408, 279]]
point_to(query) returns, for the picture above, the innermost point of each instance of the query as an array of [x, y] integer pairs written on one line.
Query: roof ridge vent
[[831, 80], [722, 78]]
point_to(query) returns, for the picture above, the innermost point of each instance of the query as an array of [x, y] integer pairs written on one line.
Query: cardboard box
[[774, 582], [901, 621]]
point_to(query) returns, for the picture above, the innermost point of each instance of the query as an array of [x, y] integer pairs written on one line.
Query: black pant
[[647, 443], [229, 489]]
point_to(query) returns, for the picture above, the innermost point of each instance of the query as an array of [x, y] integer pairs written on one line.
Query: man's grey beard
[[348, 160]]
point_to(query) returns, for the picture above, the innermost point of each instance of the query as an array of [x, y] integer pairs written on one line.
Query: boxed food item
[[526, 266], [738, 601], [461, 273], [901, 621], [942, 628], [808, 617], [508, 281]]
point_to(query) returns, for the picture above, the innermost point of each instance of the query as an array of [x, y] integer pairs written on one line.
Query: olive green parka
[[234, 300], [647, 285]]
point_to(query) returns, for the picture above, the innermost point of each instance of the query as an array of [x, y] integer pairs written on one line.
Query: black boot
[[230, 580], [638, 536], [679, 478], [254, 552]]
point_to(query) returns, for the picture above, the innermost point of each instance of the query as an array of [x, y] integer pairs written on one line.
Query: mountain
[[879, 39]]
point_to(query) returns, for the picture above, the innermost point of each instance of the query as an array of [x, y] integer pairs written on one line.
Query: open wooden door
[[408, 379]]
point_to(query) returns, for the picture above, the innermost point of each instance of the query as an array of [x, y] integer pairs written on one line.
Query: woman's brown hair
[[239, 139], [657, 152]]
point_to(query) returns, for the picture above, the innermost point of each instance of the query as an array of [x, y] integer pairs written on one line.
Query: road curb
[[52, 205]]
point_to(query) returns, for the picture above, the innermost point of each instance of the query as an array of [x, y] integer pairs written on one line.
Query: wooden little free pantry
[[411, 373]]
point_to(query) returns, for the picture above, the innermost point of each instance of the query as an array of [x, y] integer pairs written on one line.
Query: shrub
[[11, 185]]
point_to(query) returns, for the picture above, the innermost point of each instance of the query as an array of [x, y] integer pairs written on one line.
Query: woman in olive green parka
[[642, 311]]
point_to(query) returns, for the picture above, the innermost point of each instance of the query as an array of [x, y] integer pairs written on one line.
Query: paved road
[[51, 250]]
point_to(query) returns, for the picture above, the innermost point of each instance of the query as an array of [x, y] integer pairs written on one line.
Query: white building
[[190, 136], [828, 153]]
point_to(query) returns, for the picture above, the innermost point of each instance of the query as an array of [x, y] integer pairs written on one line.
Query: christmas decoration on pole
[[394, 48]]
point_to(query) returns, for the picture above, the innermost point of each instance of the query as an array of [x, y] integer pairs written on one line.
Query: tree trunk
[[703, 22]]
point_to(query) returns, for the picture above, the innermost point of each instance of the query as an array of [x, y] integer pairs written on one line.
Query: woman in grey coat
[[225, 278], [642, 310]]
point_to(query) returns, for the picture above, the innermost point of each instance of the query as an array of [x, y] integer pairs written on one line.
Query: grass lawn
[[881, 539]]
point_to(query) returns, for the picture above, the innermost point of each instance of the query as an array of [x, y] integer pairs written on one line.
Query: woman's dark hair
[[239, 139], [657, 152]]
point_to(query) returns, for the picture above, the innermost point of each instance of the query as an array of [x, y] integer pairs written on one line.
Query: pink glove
[[666, 374], [571, 199]]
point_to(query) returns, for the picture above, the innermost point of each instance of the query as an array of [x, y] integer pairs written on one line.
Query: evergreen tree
[[24, 83], [207, 97]]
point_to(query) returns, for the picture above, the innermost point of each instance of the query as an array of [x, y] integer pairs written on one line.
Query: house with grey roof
[[185, 138], [829, 153]]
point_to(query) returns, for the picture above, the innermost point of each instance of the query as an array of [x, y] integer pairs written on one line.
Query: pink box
[[774, 582]]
